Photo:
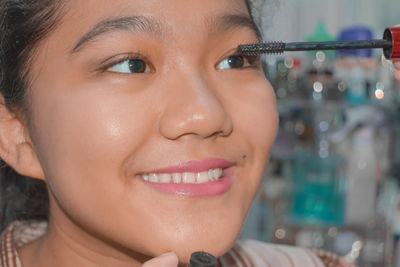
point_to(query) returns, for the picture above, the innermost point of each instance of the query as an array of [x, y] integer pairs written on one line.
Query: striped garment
[[247, 253]]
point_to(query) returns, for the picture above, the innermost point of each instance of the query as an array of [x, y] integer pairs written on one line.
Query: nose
[[194, 108]]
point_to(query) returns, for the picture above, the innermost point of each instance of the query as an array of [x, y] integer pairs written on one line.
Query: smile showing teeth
[[183, 178]]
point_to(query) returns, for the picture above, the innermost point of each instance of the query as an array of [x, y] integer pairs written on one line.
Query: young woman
[[143, 126]]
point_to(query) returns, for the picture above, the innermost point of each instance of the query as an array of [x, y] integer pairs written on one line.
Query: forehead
[[82, 15], [186, 26], [190, 9]]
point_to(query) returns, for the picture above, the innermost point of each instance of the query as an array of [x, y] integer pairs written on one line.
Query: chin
[[216, 249], [216, 241]]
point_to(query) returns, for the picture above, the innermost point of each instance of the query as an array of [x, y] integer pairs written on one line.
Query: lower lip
[[197, 190]]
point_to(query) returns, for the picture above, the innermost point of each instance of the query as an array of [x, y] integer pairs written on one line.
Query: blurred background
[[334, 176]]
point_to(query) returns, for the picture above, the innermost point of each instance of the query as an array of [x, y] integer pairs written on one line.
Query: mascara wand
[[390, 45]]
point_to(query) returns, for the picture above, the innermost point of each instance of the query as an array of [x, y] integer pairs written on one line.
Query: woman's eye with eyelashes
[[130, 66], [237, 62], [137, 65]]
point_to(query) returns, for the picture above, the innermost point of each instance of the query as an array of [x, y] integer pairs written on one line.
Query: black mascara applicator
[[390, 43]]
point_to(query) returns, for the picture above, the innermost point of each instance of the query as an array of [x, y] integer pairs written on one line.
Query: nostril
[[189, 121], [219, 134]]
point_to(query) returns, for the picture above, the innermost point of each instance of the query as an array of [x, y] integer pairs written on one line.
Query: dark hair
[[23, 24]]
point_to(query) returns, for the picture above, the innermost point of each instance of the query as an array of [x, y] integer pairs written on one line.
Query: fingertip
[[170, 255], [169, 259]]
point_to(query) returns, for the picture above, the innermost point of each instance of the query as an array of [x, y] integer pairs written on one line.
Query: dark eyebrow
[[229, 21], [131, 23]]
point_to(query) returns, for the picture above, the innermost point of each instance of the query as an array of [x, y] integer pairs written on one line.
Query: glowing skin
[[95, 128]]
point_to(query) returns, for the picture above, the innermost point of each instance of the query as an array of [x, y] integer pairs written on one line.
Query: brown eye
[[130, 66], [236, 62], [137, 66]]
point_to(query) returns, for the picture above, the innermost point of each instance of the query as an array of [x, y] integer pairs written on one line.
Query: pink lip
[[197, 190]]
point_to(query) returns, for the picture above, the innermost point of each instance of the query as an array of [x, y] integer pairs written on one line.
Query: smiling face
[[123, 90]]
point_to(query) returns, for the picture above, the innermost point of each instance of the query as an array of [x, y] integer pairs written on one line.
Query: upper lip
[[196, 166]]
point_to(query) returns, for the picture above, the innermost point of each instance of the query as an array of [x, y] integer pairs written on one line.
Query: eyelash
[[122, 58], [250, 61]]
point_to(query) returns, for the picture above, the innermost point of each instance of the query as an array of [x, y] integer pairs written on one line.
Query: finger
[[165, 260]]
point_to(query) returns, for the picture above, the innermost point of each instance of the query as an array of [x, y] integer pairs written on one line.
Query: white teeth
[[217, 173], [177, 178], [202, 177], [164, 178], [186, 177], [153, 178], [210, 175]]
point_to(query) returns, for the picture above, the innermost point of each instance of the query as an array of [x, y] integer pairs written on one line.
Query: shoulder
[[23, 232], [15, 235], [255, 253]]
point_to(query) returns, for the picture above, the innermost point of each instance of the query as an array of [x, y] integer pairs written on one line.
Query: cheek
[[83, 136], [262, 123], [83, 139], [256, 121], [255, 115]]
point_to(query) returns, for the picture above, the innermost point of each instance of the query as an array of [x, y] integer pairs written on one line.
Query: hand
[[165, 260]]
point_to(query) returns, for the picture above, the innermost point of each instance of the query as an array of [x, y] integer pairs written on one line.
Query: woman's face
[[128, 90]]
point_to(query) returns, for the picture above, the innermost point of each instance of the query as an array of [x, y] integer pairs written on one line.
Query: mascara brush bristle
[[262, 48]]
